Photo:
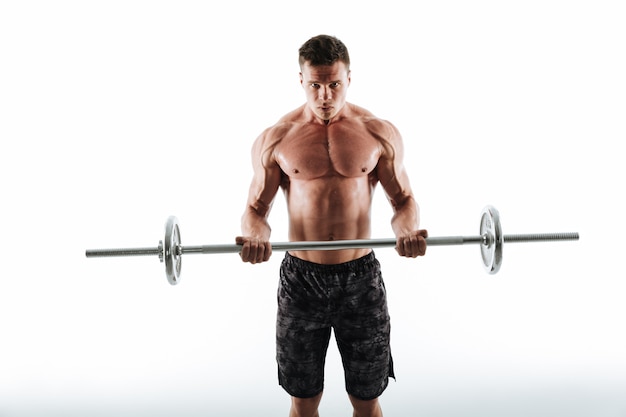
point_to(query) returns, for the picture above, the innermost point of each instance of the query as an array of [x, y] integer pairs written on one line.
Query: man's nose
[[325, 93]]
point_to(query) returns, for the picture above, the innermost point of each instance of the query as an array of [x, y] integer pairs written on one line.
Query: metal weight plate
[[491, 248], [171, 251]]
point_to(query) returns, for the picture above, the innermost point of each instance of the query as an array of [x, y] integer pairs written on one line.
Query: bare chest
[[319, 151]]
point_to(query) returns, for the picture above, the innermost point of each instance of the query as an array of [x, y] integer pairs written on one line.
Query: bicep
[[391, 170], [395, 182], [266, 178]]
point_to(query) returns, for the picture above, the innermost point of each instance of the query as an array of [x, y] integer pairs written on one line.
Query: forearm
[[255, 224], [406, 218]]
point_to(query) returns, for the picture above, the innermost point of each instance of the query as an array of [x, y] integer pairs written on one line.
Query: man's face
[[325, 88]]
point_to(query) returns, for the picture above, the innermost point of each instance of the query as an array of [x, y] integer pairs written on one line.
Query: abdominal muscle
[[329, 209]]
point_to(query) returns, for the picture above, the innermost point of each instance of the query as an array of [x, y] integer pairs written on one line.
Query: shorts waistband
[[363, 263]]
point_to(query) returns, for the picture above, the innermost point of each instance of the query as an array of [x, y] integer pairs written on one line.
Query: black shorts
[[349, 298]]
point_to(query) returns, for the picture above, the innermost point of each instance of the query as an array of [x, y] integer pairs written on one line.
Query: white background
[[117, 114]]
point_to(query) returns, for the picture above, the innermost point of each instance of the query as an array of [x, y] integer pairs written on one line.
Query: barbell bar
[[490, 239]]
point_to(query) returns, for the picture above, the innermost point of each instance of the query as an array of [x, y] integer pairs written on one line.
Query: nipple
[[295, 171]]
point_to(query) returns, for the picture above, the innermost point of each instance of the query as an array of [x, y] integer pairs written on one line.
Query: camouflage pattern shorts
[[350, 298]]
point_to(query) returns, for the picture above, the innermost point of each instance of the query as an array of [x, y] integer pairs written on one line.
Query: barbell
[[490, 239]]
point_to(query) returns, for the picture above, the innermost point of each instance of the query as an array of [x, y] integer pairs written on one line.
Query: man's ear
[[301, 78], [349, 77]]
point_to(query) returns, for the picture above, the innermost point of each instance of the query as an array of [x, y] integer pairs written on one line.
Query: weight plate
[[171, 254], [491, 247]]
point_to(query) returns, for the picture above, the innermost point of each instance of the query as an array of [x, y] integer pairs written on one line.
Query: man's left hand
[[413, 244]]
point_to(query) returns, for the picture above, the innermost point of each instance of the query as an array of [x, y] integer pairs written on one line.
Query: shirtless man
[[327, 156]]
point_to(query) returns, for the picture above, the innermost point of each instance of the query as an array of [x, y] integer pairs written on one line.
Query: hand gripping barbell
[[490, 240]]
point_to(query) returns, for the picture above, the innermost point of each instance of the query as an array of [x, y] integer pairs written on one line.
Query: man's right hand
[[254, 250]]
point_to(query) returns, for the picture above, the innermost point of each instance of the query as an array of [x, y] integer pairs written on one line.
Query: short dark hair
[[324, 50]]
